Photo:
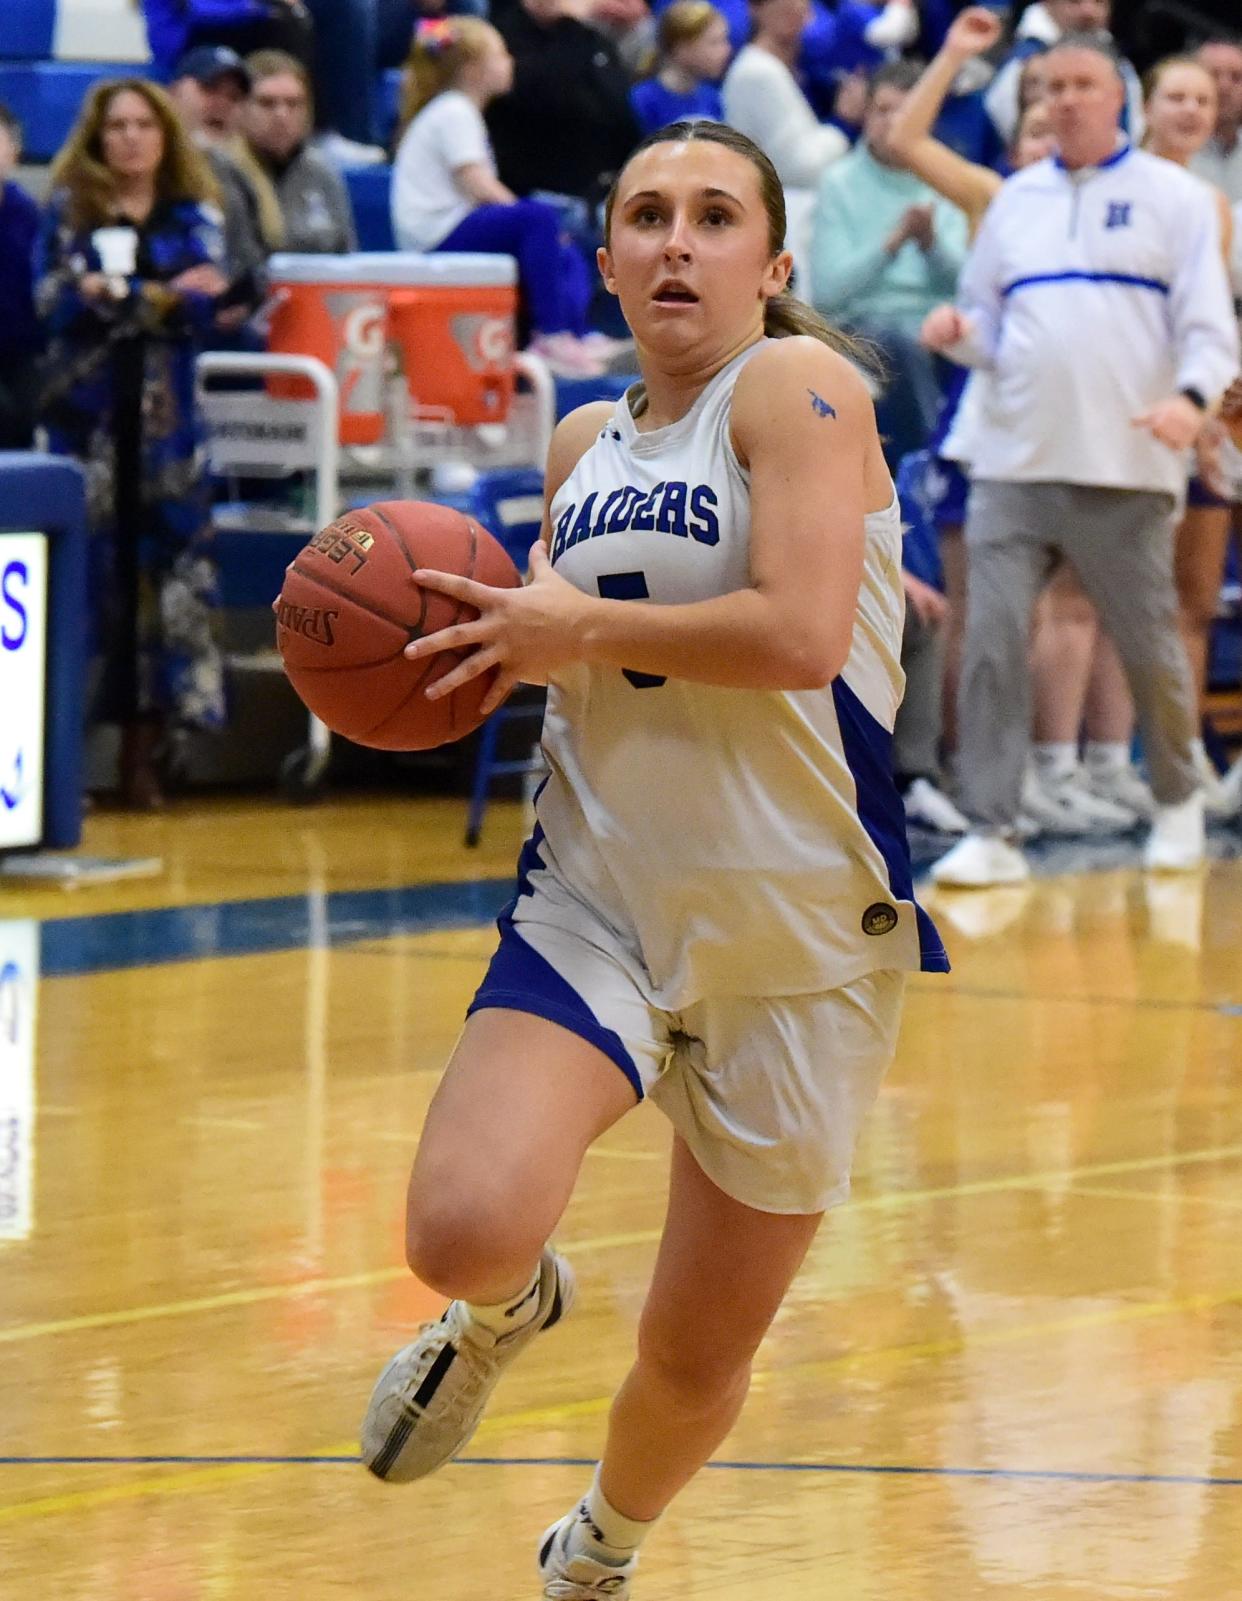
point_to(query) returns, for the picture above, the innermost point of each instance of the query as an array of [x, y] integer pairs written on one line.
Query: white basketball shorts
[[769, 1094]]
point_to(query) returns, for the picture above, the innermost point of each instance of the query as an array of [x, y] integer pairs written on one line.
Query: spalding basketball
[[349, 605]]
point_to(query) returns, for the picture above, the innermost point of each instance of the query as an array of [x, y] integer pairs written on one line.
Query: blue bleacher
[[46, 96], [27, 29]]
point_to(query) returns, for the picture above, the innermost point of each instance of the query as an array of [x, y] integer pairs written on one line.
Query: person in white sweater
[[763, 100], [1096, 296]]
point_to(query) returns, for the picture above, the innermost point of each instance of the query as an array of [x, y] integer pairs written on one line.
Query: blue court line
[[113, 940], [1068, 1475]]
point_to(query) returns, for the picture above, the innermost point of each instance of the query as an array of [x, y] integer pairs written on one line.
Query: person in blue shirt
[[19, 329], [175, 26], [694, 50]]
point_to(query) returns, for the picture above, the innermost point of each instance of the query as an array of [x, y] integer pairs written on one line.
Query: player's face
[[1181, 110], [688, 252]]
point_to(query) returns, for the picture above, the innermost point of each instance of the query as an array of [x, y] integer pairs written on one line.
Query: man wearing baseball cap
[[209, 87]]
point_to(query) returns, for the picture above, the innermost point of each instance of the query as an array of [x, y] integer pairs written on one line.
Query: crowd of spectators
[[893, 127]]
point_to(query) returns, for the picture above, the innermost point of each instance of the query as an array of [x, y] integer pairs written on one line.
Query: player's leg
[[517, 1108], [538, 1074], [767, 1098]]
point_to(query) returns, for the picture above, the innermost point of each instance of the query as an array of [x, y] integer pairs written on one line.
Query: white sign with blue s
[[23, 661]]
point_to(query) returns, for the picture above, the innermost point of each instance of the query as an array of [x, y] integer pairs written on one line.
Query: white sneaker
[[1230, 785], [1175, 844], [579, 1578], [567, 356], [428, 1400], [979, 861], [1222, 792], [1122, 786], [1064, 805], [931, 808]]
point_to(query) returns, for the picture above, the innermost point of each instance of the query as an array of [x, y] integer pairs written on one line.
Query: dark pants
[[18, 390], [285, 29], [551, 273]]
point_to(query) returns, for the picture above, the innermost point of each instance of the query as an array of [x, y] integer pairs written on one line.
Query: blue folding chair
[[509, 504]]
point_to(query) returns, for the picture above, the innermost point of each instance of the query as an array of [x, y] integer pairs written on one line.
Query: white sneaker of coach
[[1064, 805], [1122, 785], [1176, 841], [979, 861], [931, 808]]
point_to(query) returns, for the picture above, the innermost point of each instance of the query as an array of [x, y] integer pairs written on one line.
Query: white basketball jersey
[[740, 842]]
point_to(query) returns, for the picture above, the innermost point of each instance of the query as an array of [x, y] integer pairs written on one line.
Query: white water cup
[[118, 251]]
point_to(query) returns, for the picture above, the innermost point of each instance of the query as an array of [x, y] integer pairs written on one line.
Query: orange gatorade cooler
[[452, 322], [327, 306]]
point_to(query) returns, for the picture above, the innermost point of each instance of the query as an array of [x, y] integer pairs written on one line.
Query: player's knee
[[695, 1376], [464, 1249]]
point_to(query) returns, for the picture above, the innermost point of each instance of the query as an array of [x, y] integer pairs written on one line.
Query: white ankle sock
[[514, 1313], [600, 1531], [1107, 756], [1055, 760]]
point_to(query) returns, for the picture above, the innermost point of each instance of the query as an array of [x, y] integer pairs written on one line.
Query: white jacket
[[1092, 296]]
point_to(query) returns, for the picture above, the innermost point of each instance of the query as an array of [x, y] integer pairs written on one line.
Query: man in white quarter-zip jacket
[[1096, 297]]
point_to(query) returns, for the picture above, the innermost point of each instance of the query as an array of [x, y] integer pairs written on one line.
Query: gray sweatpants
[[1120, 543]]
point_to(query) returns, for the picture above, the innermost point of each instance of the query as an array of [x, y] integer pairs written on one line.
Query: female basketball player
[[716, 906]]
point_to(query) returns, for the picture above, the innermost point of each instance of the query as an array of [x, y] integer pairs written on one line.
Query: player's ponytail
[[786, 315]]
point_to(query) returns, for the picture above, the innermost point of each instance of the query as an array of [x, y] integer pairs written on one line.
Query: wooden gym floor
[[1010, 1368]]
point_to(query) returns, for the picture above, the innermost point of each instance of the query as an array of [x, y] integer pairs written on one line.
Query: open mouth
[[672, 292]]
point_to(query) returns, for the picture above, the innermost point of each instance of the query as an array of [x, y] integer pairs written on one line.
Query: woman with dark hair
[[128, 274], [716, 905]]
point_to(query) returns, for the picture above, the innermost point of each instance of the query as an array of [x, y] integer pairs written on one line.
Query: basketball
[[349, 606]]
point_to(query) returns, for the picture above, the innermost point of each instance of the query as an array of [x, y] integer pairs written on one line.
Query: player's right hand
[[944, 326]]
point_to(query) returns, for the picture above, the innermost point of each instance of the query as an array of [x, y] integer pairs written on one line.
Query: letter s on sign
[[13, 581]]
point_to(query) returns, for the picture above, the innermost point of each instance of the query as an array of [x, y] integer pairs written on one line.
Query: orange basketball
[[349, 606]]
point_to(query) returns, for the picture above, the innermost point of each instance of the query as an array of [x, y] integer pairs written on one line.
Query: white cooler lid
[[396, 269]]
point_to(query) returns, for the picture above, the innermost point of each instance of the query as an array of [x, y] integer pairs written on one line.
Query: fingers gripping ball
[[349, 606]]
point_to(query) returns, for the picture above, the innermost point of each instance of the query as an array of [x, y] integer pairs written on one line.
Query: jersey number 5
[[630, 586]]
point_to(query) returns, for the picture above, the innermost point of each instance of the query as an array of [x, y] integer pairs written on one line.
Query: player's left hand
[[1174, 422], [524, 634]]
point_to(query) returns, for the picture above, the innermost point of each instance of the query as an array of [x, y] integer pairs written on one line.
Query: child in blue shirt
[[694, 50]]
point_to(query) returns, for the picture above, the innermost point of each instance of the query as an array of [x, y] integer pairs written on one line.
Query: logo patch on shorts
[[879, 918]]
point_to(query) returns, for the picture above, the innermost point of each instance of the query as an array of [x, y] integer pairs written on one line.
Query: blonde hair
[[277, 64], [684, 22], [80, 170], [784, 316], [438, 52], [1153, 75]]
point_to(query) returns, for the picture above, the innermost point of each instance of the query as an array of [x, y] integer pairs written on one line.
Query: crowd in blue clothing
[[510, 133]]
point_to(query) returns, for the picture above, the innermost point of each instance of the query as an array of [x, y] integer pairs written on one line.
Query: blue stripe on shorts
[[519, 979]]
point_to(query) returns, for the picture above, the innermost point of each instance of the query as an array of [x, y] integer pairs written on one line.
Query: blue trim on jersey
[[519, 979], [868, 748], [1100, 166], [1126, 279]]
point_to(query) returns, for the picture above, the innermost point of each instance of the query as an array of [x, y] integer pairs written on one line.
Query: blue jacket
[[169, 23]]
